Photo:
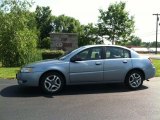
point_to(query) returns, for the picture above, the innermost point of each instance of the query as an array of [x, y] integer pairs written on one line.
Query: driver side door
[[88, 66]]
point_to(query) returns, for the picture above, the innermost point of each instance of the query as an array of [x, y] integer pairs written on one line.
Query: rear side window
[[116, 52]]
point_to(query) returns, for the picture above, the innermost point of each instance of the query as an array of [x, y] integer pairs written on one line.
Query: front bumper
[[28, 79]]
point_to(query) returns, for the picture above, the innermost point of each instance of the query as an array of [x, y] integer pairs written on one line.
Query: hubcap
[[135, 80], [52, 83]]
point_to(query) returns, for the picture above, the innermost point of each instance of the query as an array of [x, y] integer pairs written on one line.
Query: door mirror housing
[[74, 59]]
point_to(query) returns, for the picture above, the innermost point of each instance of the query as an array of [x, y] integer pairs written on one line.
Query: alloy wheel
[[135, 80], [52, 83]]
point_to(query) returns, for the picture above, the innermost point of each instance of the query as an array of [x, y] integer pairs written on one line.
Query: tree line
[[23, 32]]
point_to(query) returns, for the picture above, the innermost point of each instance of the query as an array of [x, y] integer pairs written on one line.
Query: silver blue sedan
[[89, 65]]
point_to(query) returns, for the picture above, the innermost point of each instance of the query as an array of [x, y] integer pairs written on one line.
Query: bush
[[37, 55], [20, 49], [45, 43], [18, 34], [51, 54]]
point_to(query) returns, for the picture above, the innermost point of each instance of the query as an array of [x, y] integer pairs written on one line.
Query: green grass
[[156, 63], [9, 72]]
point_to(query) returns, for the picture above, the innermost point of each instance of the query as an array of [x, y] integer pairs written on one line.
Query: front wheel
[[52, 83], [134, 80]]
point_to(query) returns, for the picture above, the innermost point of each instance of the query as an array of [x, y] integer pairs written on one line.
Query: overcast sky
[[86, 11]]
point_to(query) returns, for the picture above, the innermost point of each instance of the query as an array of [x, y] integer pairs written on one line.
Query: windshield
[[65, 55], [68, 53]]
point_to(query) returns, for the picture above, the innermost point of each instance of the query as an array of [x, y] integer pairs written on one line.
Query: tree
[[153, 44], [131, 41], [66, 24], [44, 23], [88, 35], [150, 44], [115, 22], [46, 42], [18, 38], [135, 41]]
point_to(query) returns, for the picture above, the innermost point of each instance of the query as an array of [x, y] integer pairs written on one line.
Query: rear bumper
[[150, 73], [28, 79]]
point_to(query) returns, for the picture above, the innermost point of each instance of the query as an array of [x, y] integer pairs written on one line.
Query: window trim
[[102, 53], [118, 48]]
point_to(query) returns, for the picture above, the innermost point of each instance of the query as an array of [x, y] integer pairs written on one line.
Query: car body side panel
[[62, 67], [145, 65], [86, 71], [29, 79], [116, 69], [34, 77]]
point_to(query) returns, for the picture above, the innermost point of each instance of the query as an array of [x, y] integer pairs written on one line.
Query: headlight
[[26, 69]]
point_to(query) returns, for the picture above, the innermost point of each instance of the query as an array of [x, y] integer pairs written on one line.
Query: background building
[[64, 41]]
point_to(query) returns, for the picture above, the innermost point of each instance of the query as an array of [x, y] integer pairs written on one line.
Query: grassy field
[[10, 73], [156, 63]]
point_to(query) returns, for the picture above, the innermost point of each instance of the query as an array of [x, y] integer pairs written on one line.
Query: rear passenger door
[[116, 64]]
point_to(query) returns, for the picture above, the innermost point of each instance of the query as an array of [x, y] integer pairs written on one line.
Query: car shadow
[[19, 91], [97, 89]]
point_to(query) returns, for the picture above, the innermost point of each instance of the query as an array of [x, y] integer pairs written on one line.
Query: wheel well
[[136, 69], [49, 71]]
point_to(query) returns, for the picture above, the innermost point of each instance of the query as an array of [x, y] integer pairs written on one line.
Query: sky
[[87, 11]]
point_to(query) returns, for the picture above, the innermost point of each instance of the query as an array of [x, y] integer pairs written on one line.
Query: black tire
[[134, 80], [52, 82]]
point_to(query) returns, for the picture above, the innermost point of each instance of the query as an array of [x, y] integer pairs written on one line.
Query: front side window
[[89, 54], [116, 52]]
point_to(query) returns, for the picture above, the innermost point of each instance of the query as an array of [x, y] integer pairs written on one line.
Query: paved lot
[[89, 102]]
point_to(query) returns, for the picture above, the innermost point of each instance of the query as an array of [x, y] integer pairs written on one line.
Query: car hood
[[44, 63]]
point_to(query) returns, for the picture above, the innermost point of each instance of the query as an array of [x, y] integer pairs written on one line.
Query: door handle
[[124, 61], [98, 63]]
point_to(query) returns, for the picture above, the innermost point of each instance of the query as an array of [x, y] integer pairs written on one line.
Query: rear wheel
[[52, 82], [134, 80]]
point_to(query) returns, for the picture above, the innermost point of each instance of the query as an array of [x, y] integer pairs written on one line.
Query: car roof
[[100, 45]]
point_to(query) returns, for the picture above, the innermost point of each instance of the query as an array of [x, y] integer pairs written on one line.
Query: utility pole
[[156, 29]]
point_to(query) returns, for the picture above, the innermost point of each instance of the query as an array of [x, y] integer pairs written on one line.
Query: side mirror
[[74, 59]]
